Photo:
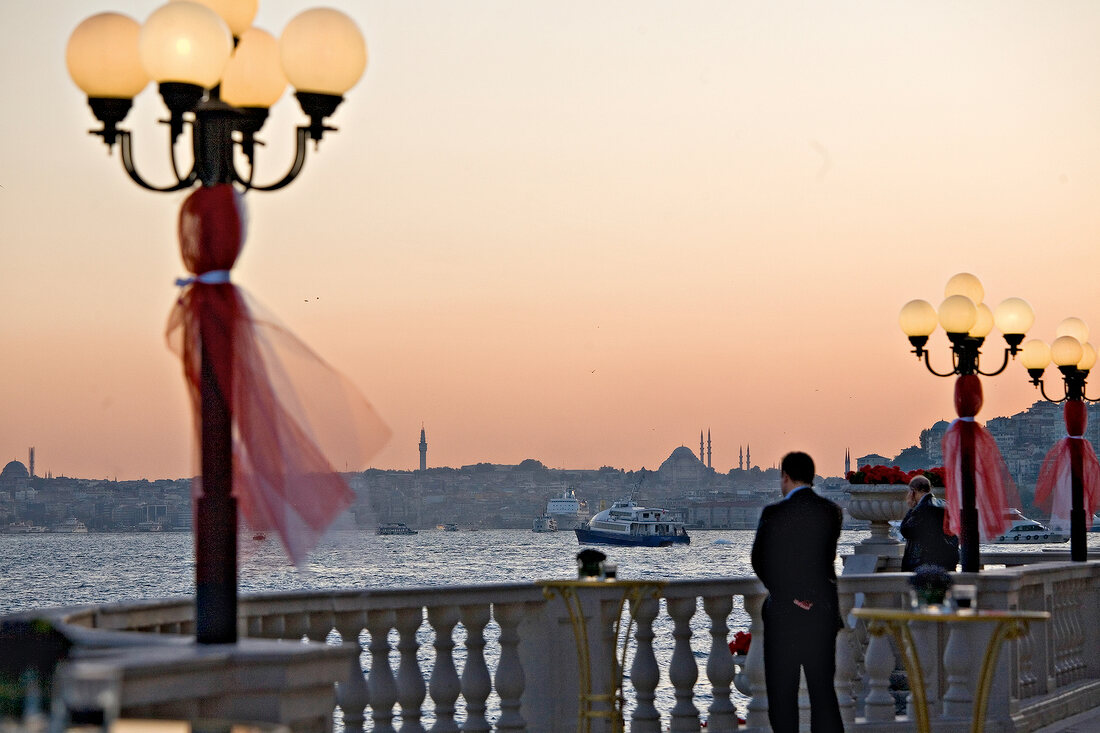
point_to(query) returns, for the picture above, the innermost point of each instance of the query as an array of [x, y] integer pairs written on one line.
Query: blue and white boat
[[626, 523]]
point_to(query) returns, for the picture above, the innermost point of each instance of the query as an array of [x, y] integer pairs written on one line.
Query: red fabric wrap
[[1054, 489], [294, 417], [994, 489]]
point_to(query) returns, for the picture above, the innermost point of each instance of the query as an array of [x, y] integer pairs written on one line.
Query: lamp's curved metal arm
[[928, 363], [1043, 391], [131, 169], [295, 168], [1004, 365]]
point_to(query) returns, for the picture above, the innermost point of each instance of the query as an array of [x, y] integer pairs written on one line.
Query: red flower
[[740, 643]]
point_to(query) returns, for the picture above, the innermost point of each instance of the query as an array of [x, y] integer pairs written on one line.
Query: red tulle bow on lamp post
[[1069, 481]]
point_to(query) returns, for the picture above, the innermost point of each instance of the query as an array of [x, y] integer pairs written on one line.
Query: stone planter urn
[[879, 503]]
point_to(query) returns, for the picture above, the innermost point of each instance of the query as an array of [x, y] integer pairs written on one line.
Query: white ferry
[[72, 525], [626, 523], [567, 510], [545, 523], [395, 528], [1025, 531]]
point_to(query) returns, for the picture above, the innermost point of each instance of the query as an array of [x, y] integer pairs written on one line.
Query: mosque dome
[[15, 470]]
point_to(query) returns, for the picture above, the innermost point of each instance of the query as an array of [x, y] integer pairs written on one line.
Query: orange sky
[[576, 232]]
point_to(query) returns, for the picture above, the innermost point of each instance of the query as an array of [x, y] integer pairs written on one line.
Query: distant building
[[423, 450]]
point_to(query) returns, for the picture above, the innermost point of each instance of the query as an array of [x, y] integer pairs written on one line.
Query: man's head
[[919, 487], [796, 469]]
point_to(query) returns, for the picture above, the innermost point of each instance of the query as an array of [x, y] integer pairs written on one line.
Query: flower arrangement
[[894, 475], [740, 643], [930, 584]]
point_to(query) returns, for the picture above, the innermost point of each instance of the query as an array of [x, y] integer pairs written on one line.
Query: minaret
[[847, 462], [748, 457], [31, 460], [709, 464], [423, 450], [701, 456], [740, 458]]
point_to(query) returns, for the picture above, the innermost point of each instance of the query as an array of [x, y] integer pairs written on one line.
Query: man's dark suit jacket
[[794, 552], [925, 541]]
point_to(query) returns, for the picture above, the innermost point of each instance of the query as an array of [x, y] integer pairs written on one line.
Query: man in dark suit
[[925, 541], [794, 555]]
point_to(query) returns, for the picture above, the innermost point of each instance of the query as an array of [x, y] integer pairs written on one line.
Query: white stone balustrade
[[502, 657]]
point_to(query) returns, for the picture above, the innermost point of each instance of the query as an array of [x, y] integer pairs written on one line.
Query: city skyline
[[576, 233]]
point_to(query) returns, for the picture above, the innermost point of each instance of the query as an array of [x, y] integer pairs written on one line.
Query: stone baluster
[[1077, 665], [722, 715], [757, 716], [926, 637], [476, 683], [380, 682], [960, 656], [351, 694], [845, 665], [444, 684], [318, 625], [509, 678], [1027, 679], [410, 680], [879, 662], [683, 672], [644, 672]]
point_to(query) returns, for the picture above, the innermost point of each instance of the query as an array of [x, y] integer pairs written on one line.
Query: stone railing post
[[509, 678], [644, 673], [683, 671], [722, 715], [410, 680], [380, 682], [845, 664], [444, 684], [757, 716], [476, 683], [351, 693]]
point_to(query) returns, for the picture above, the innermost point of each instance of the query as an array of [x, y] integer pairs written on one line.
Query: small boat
[[626, 523], [395, 528], [545, 523], [447, 526], [1025, 531], [72, 525]]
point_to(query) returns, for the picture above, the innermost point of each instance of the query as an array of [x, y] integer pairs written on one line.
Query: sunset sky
[[577, 232]]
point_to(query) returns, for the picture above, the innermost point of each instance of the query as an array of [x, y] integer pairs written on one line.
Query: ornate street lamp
[[1074, 356], [218, 76], [968, 321]]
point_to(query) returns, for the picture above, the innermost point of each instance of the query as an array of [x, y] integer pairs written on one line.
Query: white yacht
[[1025, 531], [626, 523], [567, 510]]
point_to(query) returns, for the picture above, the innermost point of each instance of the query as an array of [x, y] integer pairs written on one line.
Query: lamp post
[[967, 321], [218, 76], [1074, 356]]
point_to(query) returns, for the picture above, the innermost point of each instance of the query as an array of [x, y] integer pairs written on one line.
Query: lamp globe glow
[[323, 52], [965, 284], [984, 323], [102, 56], [958, 314], [237, 14], [254, 77], [918, 318], [1066, 351], [185, 42], [1035, 354], [1074, 327], [1014, 316], [1088, 358]]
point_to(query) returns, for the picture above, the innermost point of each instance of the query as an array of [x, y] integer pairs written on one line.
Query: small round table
[[895, 622]]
